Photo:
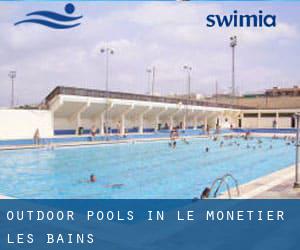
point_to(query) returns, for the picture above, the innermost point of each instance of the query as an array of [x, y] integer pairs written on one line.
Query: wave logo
[[53, 20]]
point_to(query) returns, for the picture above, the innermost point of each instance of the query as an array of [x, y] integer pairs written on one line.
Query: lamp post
[[107, 51], [153, 79], [149, 72], [153, 72], [297, 181], [233, 44], [12, 75], [188, 69]]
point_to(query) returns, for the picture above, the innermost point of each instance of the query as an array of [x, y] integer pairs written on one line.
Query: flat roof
[[61, 90]]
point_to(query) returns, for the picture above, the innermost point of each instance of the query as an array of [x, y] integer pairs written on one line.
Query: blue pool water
[[147, 170]]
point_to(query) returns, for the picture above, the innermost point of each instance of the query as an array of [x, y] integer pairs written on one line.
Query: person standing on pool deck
[[119, 127], [93, 132], [36, 137]]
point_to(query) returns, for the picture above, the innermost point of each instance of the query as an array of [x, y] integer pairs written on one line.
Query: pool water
[[146, 170]]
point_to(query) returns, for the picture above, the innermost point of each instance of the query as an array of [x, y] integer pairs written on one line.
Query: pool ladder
[[223, 180]]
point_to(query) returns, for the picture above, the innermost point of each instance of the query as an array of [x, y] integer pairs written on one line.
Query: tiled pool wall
[[148, 133], [88, 138]]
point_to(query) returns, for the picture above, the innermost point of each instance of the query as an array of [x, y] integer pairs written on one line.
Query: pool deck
[[98, 142], [277, 185], [130, 140]]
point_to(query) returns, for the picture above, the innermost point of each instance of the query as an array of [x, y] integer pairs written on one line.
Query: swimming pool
[[147, 170]]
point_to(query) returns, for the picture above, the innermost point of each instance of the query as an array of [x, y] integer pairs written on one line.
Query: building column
[[195, 122], [142, 118], [205, 123], [101, 128], [171, 122], [184, 122], [77, 116], [157, 118], [277, 119], [242, 119], [123, 120], [78, 122], [258, 119], [156, 122], [141, 124]]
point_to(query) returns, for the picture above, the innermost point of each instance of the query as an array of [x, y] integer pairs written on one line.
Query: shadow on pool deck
[[278, 185]]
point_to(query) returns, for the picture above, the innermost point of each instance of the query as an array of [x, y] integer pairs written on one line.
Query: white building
[[70, 109]]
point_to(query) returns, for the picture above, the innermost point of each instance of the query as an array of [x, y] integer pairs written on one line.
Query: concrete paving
[[278, 185]]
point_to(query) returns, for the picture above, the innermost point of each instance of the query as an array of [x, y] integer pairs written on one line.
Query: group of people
[[174, 135]]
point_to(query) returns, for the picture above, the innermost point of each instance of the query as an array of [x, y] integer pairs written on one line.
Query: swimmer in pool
[[207, 149], [92, 178], [117, 185], [185, 141]]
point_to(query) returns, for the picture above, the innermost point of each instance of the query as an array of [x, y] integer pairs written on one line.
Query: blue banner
[[149, 224]]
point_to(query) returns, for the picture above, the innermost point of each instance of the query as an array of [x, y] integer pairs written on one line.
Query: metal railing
[[220, 182], [60, 90]]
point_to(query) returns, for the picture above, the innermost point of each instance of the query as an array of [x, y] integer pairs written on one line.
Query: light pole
[[107, 51], [153, 79], [153, 72], [149, 72], [297, 181], [233, 44], [12, 75], [217, 91], [188, 69]]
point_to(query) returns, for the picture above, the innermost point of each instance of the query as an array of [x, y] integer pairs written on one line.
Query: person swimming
[[93, 178], [117, 185], [185, 141], [207, 149]]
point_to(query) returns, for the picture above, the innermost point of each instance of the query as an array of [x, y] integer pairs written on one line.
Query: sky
[[144, 34]]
